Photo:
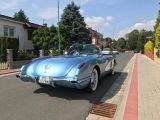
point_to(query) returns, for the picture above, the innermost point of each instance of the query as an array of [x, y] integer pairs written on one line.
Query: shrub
[[26, 55], [149, 49], [8, 43], [149, 46], [157, 37]]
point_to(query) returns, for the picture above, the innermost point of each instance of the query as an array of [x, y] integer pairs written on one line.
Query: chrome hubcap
[[94, 80]]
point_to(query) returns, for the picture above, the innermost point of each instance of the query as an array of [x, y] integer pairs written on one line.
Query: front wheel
[[94, 81]]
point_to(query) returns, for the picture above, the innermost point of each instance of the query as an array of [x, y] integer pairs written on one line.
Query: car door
[[102, 60]]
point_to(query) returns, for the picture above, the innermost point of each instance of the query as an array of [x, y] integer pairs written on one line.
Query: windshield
[[79, 49]]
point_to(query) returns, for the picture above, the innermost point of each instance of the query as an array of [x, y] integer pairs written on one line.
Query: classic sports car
[[81, 68]]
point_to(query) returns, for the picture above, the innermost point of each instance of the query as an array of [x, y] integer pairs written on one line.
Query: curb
[[122, 104], [5, 72], [131, 106], [123, 83]]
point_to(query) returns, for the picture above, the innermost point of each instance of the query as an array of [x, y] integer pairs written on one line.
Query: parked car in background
[[122, 50], [136, 51], [115, 51], [107, 51], [81, 68]]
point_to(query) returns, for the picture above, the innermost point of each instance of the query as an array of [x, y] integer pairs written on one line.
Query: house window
[[5, 31], [30, 36], [9, 31]]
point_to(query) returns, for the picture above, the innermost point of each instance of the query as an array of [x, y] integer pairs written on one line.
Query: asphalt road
[[28, 101]]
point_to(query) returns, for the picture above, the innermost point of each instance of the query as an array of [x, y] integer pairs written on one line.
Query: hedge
[[157, 37], [8, 43], [27, 55], [149, 46], [149, 49]]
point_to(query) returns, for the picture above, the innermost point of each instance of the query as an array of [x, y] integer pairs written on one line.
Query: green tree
[[63, 37], [142, 39], [20, 15], [127, 45], [157, 21], [47, 38], [74, 25], [53, 33], [132, 39], [156, 27], [121, 43], [150, 34], [157, 38], [114, 44], [108, 42], [43, 38]]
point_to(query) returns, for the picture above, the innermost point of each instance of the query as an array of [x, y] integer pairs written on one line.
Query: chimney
[[45, 24]]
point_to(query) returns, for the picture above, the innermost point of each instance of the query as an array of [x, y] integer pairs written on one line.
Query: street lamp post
[[59, 31]]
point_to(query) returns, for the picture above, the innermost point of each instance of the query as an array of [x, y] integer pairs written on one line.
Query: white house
[[22, 30]]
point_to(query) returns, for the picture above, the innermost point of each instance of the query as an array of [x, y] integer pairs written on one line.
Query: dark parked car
[[136, 51]]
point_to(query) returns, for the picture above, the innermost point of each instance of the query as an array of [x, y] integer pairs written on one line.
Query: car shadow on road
[[73, 94]]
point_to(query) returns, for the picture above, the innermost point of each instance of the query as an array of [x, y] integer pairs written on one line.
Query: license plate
[[44, 80]]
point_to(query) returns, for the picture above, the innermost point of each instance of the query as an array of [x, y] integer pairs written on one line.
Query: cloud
[[8, 4], [147, 25], [98, 22], [109, 18], [49, 13]]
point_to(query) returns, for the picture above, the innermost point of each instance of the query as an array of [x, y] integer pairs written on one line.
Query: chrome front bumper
[[26, 78], [79, 84]]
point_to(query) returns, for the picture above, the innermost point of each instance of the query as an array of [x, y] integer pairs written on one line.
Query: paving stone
[[149, 89]]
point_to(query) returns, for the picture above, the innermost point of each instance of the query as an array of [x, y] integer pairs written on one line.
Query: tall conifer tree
[[74, 25]]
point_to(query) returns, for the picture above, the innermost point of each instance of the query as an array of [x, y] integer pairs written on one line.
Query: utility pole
[[59, 31], [159, 4]]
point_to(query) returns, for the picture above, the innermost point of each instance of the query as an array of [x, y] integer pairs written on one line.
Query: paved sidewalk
[[148, 89], [3, 72], [143, 95], [139, 96]]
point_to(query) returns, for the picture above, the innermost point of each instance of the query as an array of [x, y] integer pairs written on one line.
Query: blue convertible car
[[80, 68]]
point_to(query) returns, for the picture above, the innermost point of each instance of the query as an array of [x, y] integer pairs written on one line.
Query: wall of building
[[28, 43], [20, 32], [94, 41], [97, 38]]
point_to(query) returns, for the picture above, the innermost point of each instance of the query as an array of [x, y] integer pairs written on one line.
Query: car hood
[[56, 66]]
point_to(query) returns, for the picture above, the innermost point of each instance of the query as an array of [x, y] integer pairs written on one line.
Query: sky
[[112, 18]]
